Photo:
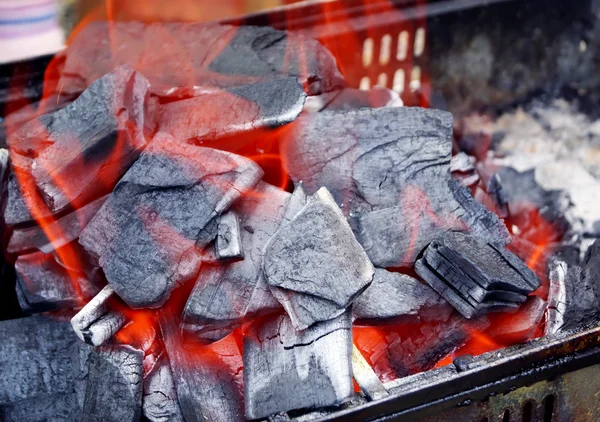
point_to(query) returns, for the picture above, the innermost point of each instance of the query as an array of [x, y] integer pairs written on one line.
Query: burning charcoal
[[20, 201], [370, 156], [95, 323], [397, 298], [197, 55], [351, 98], [366, 378], [149, 233], [394, 237], [56, 234], [222, 292], [160, 402], [520, 326], [208, 379], [93, 140], [229, 238], [285, 369], [43, 284], [114, 384], [314, 265], [475, 276], [221, 114]]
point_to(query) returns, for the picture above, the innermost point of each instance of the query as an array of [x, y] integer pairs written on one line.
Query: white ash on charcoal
[[54, 235], [351, 98], [237, 111], [474, 276], [462, 167], [285, 369], [395, 236], [574, 295], [97, 137], [149, 234], [160, 403], [222, 293], [208, 378], [228, 244], [314, 265], [394, 298], [99, 319], [196, 56]]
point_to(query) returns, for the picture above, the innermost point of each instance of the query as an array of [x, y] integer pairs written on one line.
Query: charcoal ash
[[160, 403], [149, 233], [221, 296], [285, 369], [234, 112], [462, 167], [199, 55], [228, 244], [314, 265], [474, 276], [394, 298]]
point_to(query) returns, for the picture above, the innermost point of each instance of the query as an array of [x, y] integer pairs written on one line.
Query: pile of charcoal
[[163, 275]]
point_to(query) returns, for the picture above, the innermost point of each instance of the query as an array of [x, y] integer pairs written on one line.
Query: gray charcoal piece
[[114, 384], [395, 236], [198, 55], [352, 98], [462, 163], [160, 403], [366, 158], [237, 111], [47, 408], [399, 298], [222, 293], [285, 369], [317, 261], [366, 378], [149, 234], [229, 237], [61, 231], [95, 139], [207, 379], [19, 202]]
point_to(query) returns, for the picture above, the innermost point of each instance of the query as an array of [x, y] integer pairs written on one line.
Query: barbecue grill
[[461, 55]]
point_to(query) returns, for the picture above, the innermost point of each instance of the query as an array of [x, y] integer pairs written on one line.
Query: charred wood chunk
[[366, 378], [35, 359], [52, 236], [222, 292], [314, 265], [178, 58], [113, 384], [395, 236], [398, 298], [351, 98], [285, 369], [475, 276], [208, 378], [92, 141], [219, 114], [23, 206], [520, 326], [149, 234], [160, 403], [229, 237], [367, 157]]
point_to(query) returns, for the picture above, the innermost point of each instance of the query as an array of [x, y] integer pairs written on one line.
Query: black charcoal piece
[[222, 292], [398, 298], [463, 363], [208, 378], [285, 369], [314, 265], [54, 235], [149, 234], [368, 157], [217, 114], [95, 139], [395, 236], [113, 385], [180, 59], [229, 237], [160, 403]]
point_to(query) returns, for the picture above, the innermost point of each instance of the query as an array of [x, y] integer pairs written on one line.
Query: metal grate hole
[[415, 79], [506, 416], [549, 407], [382, 80], [402, 46], [367, 54], [528, 411], [385, 50], [365, 83], [419, 42], [398, 82]]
